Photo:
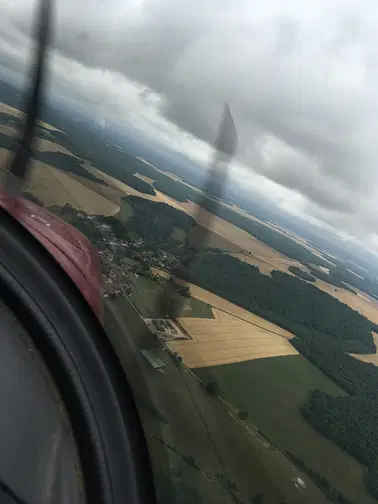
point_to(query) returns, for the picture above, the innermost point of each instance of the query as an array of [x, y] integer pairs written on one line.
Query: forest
[[301, 274], [350, 421], [283, 299], [155, 221]]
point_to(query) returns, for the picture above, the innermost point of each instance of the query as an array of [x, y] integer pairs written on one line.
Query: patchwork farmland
[[227, 339]]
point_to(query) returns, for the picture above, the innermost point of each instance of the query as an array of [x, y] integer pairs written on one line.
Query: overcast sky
[[301, 80]]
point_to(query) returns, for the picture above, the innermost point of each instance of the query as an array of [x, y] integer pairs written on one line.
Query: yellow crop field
[[43, 145], [53, 187], [227, 339], [109, 192], [232, 233], [226, 306], [234, 334]]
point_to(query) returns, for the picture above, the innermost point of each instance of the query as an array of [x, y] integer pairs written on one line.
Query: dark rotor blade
[[18, 168], [224, 150]]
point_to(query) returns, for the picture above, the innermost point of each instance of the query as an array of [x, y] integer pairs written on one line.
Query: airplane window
[[39, 461], [204, 173]]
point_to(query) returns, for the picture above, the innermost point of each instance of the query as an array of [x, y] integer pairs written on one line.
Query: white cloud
[[301, 80]]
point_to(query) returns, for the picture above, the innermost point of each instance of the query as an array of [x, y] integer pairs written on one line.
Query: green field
[[178, 235], [272, 390], [200, 454], [125, 212], [145, 297]]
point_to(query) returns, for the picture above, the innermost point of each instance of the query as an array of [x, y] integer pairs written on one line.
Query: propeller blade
[[19, 164], [224, 150]]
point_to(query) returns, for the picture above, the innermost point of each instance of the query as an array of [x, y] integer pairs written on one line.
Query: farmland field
[[240, 238], [222, 234], [192, 439], [233, 335], [228, 307], [54, 187], [127, 190], [145, 297], [112, 194], [44, 145], [272, 390], [239, 243], [226, 339]]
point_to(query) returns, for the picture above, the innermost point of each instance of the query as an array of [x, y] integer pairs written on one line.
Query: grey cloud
[[305, 77], [325, 196]]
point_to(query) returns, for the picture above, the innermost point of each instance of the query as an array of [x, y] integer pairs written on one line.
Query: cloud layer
[[301, 80]]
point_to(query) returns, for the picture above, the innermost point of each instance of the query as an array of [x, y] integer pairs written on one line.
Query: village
[[122, 258]]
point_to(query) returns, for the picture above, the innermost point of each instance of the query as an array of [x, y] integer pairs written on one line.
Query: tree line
[[155, 221]]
